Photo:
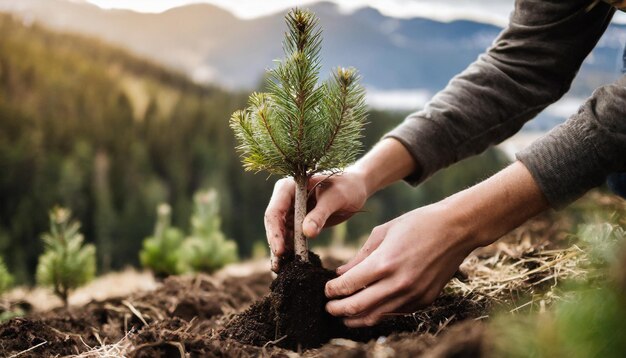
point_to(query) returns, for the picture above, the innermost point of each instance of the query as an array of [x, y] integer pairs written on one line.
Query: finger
[[377, 314], [276, 212], [361, 276], [372, 243], [400, 305], [314, 221], [362, 301]]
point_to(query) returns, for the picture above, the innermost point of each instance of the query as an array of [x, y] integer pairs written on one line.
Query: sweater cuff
[[564, 162], [427, 143]]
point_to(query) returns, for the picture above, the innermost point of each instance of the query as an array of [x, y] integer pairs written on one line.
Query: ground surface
[[189, 316]]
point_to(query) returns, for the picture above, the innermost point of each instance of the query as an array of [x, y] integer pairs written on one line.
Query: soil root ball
[[293, 315]]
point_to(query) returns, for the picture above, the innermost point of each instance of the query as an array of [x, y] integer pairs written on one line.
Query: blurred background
[[110, 107]]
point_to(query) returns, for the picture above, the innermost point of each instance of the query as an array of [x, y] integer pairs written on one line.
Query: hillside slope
[[211, 45], [89, 126]]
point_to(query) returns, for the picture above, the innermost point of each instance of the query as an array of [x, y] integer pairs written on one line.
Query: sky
[[494, 12], [488, 11]]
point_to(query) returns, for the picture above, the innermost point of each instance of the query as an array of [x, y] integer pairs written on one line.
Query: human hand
[[406, 262], [335, 199], [403, 266]]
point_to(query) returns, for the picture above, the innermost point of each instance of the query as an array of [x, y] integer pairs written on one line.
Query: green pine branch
[[301, 127]]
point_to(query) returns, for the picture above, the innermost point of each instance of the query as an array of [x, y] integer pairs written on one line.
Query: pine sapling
[[66, 263], [7, 310], [161, 251], [300, 127], [6, 279], [207, 248]]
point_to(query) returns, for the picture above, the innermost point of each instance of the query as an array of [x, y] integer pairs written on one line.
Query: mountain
[[405, 60], [212, 45]]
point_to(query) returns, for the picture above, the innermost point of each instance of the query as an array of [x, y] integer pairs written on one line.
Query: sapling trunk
[[299, 240]]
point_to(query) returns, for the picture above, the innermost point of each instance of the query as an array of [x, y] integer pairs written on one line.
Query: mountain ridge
[[212, 45]]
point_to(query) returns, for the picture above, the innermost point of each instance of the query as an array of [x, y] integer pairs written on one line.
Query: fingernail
[[339, 269]]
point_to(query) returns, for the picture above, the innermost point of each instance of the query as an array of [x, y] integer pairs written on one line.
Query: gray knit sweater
[[530, 65]]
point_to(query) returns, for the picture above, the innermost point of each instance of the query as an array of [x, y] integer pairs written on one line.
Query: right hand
[[335, 200]]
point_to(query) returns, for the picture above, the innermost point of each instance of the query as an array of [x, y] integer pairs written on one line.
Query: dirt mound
[[293, 315]]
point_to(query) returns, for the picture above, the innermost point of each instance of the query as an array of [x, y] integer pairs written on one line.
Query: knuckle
[[385, 266], [352, 309], [344, 287], [377, 230], [330, 290], [404, 284]]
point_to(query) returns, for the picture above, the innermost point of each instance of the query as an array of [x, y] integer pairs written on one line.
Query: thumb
[[315, 220]]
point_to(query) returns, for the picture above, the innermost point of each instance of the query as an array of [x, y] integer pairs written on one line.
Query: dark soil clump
[[19, 335], [293, 315], [298, 301]]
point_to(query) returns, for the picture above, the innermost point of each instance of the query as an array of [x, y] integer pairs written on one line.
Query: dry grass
[[518, 274], [119, 349]]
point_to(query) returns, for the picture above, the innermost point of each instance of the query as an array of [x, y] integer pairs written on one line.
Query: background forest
[[91, 127]]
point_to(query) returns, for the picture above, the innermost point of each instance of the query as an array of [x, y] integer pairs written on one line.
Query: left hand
[[406, 262], [403, 266]]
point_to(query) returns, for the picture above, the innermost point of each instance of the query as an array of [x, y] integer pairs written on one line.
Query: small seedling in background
[[66, 262], [7, 310], [207, 249], [6, 279], [300, 127], [161, 251]]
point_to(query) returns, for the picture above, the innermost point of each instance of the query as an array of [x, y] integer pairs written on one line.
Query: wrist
[[388, 162], [490, 209], [364, 178]]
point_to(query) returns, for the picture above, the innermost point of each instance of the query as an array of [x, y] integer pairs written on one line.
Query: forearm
[[386, 163], [529, 66], [497, 205]]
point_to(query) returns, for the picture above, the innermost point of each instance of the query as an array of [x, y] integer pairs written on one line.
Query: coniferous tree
[[300, 127], [161, 251], [7, 310], [207, 248], [66, 263], [6, 279]]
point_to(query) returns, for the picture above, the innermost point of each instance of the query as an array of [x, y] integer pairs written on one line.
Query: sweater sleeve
[[530, 65], [579, 154]]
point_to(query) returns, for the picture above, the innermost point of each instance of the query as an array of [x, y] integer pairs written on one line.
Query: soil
[[202, 316], [293, 314]]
